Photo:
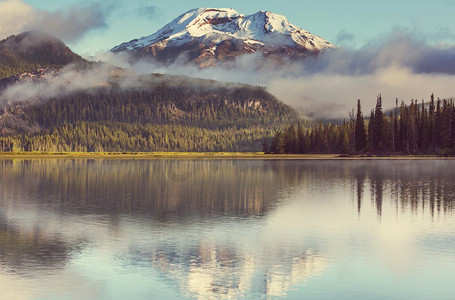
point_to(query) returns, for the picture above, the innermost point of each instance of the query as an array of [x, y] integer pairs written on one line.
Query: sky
[[100, 25], [401, 49]]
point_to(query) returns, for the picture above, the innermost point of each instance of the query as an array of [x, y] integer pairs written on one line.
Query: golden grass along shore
[[205, 155]]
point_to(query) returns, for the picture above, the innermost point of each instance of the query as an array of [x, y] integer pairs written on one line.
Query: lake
[[226, 229]]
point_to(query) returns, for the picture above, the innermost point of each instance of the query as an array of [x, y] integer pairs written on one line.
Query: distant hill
[[32, 50]]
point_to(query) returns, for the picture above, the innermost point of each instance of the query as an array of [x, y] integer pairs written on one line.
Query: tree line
[[125, 137], [416, 128], [159, 118], [165, 104]]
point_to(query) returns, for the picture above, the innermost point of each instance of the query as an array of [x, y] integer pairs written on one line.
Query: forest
[[196, 116], [125, 137], [408, 129]]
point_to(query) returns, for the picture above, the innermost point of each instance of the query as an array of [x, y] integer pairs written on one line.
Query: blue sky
[[350, 23]]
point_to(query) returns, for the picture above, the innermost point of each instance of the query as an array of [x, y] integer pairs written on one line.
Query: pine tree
[[378, 126], [437, 136], [360, 134], [291, 140], [371, 133], [301, 138], [266, 146], [446, 126], [396, 130], [278, 143], [411, 140]]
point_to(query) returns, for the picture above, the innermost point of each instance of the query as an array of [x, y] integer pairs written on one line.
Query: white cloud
[[70, 24], [15, 16], [334, 95]]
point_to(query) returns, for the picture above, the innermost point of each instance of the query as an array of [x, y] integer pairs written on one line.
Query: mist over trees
[[415, 128], [33, 50], [162, 118]]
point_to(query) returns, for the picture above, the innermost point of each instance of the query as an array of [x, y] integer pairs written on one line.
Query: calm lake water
[[226, 229]]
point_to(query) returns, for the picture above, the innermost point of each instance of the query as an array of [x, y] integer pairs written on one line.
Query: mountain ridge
[[210, 35]]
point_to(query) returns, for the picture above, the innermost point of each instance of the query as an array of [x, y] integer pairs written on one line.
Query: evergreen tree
[[266, 146], [446, 125], [412, 134], [302, 146], [378, 125], [371, 133], [437, 136], [278, 143], [291, 140], [360, 134]]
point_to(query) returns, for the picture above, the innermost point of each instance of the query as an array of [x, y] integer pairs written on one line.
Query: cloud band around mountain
[[401, 64]]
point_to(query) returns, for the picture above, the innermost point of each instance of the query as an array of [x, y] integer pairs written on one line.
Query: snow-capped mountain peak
[[210, 27]]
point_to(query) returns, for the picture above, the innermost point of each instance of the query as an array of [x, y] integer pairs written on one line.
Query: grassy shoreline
[[209, 155]]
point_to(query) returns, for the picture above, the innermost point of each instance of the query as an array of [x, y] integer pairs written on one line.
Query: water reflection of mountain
[[50, 194], [210, 271], [27, 250]]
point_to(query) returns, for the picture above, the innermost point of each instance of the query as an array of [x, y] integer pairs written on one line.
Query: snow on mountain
[[200, 33]]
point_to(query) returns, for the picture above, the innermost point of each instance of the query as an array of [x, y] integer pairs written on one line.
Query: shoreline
[[208, 155]]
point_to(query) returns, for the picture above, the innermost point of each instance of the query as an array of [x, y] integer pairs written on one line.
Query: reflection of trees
[[210, 271], [192, 188], [360, 175], [205, 187], [377, 189], [160, 188], [412, 185], [157, 187]]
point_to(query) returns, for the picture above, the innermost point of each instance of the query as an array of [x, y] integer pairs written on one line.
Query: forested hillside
[[53, 100], [30, 51], [157, 113], [416, 128]]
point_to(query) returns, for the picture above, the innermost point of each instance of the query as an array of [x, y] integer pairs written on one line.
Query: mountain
[[33, 50], [207, 36], [64, 103]]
